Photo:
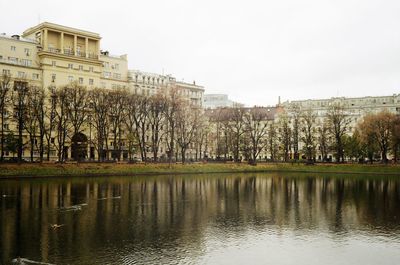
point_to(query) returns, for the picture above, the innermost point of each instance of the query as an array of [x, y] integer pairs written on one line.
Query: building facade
[[50, 55], [213, 101], [355, 108]]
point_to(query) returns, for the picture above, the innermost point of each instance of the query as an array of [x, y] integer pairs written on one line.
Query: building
[[213, 101], [355, 108], [226, 124], [50, 55]]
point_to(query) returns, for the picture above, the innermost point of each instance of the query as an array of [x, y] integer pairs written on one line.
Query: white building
[[213, 101]]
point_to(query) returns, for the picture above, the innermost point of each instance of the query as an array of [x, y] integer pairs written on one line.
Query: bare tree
[[5, 100], [323, 139], [31, 126], [77, 110], [117, 102], [308, 136], [256, 127], [35, 120], [172, 96], [20, 100], [338, 126], [295, 116], [137, 121], [99, 101], [156, 111], [62, 121], [285, 133], [236, 127], [186, 125], [50, 113], [201, 136], [272, 141]]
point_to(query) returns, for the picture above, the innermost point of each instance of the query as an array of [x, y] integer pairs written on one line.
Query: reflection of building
[[213, 101], [163, 217], [51, 55]]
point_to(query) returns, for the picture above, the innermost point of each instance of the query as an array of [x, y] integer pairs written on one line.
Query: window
[[106, 65], [70, 78], [13, 60], [52, 140], [116, 66], [91, 68], [35, 76], [80, 67], [53, 77], [26, 62], [13, 48], [21, 75], [107, 74], [70, 66], [80, 80], [6, 127], [117, 76], [6, 72], [91, 82], [53, 63], [27, 51]]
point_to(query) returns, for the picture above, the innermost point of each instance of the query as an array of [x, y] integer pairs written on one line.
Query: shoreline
[[47, 170]]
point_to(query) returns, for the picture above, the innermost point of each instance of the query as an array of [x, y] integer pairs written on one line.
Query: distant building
[[355, 108], [213, 101]]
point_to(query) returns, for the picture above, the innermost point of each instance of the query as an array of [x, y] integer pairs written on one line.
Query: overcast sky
[[254, 51]]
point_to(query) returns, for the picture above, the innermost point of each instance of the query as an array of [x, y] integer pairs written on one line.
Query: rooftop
[[61, 28], [16, 38]]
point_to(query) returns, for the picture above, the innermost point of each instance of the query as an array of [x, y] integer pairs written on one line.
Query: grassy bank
[[105, 169]]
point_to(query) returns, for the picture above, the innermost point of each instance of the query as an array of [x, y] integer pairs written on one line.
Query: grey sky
[[252, 50]]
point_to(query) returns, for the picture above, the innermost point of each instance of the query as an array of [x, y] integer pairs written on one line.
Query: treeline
[[117, 121], [300, 134], [118, 124]]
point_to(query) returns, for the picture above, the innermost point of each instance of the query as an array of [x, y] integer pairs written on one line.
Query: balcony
[[71, 52]]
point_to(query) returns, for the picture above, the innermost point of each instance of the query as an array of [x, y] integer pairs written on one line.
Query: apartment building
[[355, 108], [50, 55], [151, 83]]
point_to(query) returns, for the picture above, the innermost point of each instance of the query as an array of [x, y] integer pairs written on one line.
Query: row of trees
[[375, 137], [115, 120], [120, 123], [295, 134]]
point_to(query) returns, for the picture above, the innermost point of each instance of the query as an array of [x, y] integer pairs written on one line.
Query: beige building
[[151, 83], [51, 55]]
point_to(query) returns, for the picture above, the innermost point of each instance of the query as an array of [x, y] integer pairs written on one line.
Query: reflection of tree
[[172, 213]]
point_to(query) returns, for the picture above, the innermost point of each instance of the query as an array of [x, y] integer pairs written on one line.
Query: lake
[[201, 219]]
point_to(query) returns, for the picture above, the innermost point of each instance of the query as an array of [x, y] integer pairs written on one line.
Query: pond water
[[201, 219]]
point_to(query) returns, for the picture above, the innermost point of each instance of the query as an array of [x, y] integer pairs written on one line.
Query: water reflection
[[186, 219]]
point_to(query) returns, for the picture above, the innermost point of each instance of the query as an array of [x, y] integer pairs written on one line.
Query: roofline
[[10, 38], [61, 28], [345, 98]]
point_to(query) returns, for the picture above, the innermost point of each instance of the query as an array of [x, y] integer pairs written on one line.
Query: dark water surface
[[202, 219]]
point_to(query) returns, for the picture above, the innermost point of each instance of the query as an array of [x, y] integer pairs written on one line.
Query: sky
[[254, 51]]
